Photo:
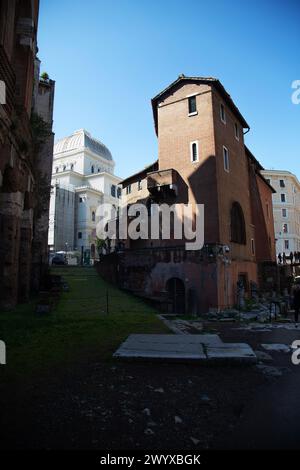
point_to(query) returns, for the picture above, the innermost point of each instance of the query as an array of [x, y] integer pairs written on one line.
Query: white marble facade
[[83, 177]]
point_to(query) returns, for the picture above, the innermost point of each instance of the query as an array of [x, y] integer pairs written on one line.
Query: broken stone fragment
[[264, 357], [177, 420], [149, 432], [194, 441]]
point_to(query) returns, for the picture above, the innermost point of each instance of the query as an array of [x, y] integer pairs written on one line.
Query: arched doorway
[[176, 293]]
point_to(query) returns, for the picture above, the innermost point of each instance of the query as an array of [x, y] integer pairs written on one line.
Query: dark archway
[[237, 224], [176, 293]]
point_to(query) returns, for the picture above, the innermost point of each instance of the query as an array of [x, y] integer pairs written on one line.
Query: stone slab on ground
[[233, 352], [278, 347], [172, 347], [203, 348]]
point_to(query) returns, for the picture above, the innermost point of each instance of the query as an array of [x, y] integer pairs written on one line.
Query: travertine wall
[[21, 164]]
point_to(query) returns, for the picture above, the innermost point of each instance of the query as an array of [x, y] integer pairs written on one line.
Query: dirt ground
[[148, 406]]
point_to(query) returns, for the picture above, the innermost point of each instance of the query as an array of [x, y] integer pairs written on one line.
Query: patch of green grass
[[79, 328]]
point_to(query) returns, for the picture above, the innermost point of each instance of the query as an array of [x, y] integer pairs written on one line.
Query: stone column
[[11, 208], [25, 255]]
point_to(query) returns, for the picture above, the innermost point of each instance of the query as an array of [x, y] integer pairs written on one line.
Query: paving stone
[[184, 347], [278, 347], [239, 352]]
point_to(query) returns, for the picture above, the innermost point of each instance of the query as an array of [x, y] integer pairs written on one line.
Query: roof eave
[[210, 80]]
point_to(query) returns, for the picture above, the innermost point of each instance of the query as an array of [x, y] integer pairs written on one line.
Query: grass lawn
[[79, 329]]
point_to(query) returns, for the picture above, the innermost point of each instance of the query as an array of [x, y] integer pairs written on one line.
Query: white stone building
[[82, 179], [286, 209]]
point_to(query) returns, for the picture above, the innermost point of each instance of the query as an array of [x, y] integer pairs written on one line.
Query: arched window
[[92, 169], [56, 169], [93, 216], [237, 223], [72, 166]]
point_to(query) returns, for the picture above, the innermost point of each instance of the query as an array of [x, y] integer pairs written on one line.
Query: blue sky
[[109, 58]]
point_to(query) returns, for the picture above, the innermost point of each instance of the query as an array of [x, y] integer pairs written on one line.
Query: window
[[119, 192], [192, 105], [113, 190], [139, 185], [128, 189], [237, 224], [222, 113], [92, 169], [286, 245], [226, 158], [194, 152], [283, 198], [56, 169], [268, 211], [284, 213], [79, 235], [236, 131], [285, 228], [282, 183], [72, 166], [81, 199], [64, 167], [93, 216], [268, 180], [252, 246]]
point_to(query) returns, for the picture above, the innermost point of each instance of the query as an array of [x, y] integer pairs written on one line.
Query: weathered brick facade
[[25, 155], [223, 175]]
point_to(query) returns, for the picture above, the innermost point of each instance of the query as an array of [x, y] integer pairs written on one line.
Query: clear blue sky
[[109, 58]]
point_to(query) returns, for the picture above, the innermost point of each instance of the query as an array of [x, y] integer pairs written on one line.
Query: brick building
[[202, 159], [26, 148]]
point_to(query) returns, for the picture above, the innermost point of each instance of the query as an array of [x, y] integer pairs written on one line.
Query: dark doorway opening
[[176, 293]]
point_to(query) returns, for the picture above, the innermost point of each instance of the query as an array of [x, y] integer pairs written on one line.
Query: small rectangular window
[[192, 104], [282, 183], [79, 235], [285, 228], [236, 131], [113, 190], [194, 152], [226, 158], [284, 213], [252, 246], [128, 189], [222, 113], [139, 185], [80, 199], [283, 198], [119, 192], [286, 245]]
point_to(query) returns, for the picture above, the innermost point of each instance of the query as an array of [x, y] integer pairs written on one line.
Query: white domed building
[[82, 179]]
